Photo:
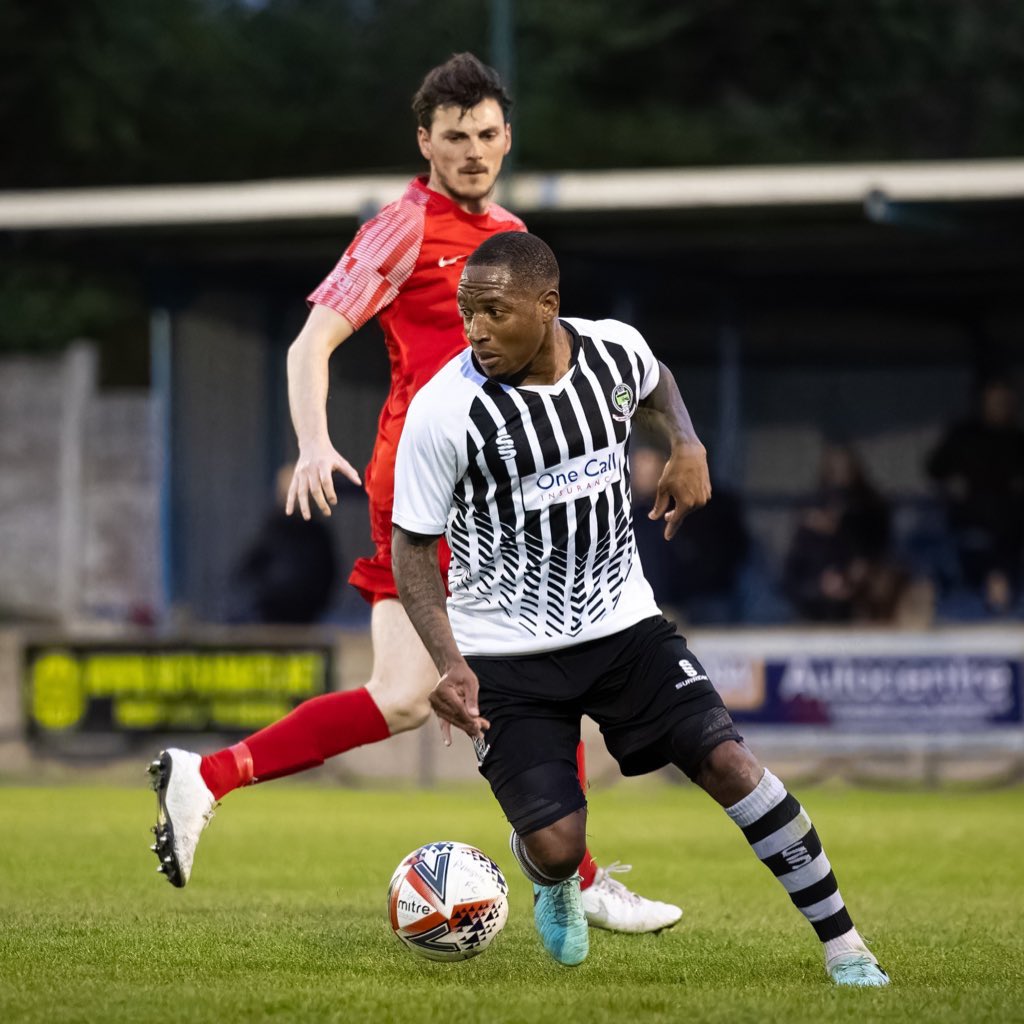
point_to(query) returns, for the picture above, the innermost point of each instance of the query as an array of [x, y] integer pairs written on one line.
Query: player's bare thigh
[[403, 674]]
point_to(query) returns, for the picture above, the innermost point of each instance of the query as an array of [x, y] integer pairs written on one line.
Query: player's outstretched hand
[[685, 482], [454, 701], [313, 477]]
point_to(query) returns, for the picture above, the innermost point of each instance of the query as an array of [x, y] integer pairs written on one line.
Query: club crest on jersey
[[622, 402]]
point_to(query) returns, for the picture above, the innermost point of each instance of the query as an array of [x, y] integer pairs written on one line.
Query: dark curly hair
[[461, 81]]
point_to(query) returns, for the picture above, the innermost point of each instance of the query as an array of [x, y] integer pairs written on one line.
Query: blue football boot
[[857, 970], [558, 914]]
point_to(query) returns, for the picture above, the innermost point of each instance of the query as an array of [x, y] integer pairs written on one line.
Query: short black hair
[[529, 259], [462, 81]]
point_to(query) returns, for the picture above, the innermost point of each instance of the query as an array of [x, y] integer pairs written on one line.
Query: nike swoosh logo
[[443, 262]]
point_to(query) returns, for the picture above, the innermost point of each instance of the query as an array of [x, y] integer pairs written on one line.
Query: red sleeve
[[376, 264], [510, 222]]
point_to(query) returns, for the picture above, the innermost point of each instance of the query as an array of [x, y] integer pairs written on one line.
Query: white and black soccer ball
[[447, 901]]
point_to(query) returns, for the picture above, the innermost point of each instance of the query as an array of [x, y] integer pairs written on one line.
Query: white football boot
[[184, 808], [609, 904]]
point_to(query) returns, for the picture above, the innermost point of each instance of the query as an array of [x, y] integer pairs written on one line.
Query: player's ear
[[549, 303], [423, 138], [508, 138]]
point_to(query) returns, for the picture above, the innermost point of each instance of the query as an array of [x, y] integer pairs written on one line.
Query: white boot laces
[[605, 883]]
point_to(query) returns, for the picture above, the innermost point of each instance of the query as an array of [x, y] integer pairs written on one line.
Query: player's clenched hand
[[685, 482], [313, 478], [454, 701]]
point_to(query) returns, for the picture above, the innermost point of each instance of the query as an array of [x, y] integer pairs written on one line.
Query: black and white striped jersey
[[530, 486]]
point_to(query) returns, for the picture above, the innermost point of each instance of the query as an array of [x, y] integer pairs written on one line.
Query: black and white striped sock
[[781, 834]]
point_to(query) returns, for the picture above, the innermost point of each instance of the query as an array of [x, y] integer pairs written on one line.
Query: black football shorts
[[642, 686]]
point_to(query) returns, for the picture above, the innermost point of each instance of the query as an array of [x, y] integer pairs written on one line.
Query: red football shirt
[[403, 266]]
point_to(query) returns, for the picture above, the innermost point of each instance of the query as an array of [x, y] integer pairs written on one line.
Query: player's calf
[[555, 851], [549, 858]]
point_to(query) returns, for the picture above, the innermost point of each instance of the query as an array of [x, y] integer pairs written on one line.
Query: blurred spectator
[[839, 567], [289, 571], [979, 464], [696, 572]]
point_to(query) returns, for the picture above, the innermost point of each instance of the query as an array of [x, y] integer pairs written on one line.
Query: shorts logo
[[692, 675], [482, 748], [622, 402]]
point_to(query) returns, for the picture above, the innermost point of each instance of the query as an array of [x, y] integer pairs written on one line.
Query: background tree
[[112, 91], [104, 92]]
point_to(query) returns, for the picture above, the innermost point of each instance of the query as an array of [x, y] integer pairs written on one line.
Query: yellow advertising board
[[182, 687]]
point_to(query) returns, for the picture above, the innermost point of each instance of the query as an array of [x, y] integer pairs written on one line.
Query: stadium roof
[[721, 188]]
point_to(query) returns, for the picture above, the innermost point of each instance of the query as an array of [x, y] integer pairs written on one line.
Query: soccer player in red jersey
[[403, 267]]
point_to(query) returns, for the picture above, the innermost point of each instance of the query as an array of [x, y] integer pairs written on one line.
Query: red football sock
[[587, 870], [588, 866], [227, 769], [317, 729]]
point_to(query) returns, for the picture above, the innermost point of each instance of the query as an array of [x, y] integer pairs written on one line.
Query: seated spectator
[[696, 572], [979, 465], [839, 567], [288, 572]]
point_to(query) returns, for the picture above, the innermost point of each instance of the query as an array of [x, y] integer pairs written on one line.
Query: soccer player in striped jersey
[[402, 267], [516, 452]]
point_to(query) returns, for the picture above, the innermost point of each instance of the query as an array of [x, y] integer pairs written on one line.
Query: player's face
[[507, 327], [465, 151]]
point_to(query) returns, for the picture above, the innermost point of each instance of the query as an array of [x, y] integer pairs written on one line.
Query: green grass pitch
[[284, 918]]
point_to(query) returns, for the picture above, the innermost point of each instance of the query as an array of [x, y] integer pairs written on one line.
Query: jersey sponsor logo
[[692, 675], [796, 856], [577, 478], [623, 402], [447, 261]]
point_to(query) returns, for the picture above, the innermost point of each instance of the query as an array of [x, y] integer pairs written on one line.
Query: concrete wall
[[79, 483], [31, 392]]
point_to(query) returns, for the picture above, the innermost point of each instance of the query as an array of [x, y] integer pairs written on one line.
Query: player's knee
[[692, 742], [729, 772], [403, 707], [411, 713]]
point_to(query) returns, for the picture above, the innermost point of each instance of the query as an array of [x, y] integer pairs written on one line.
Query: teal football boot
[[857, 970], [558, 914]]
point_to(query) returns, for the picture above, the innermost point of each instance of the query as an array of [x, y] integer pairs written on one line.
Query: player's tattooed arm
[[685, 483], [454, 699], [414, 560]]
